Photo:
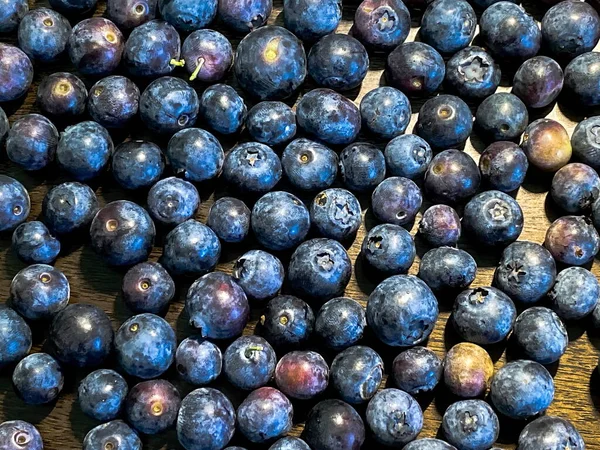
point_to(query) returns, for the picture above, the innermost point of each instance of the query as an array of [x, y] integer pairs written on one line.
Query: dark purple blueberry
[[396, 200], [389, 249], [472, 72], [447, 269], [429, 444], [309, 165], [356, 374], [102, 394], [586, 142], [471, 424], [39, 291], [582, 79], [14, 203], [31, 142], [73, 7], [265, 415], [440, 225], [444, 121], [448, 25], [249, 362], [222, 109], [547, 145], [69, 207], [540, 335], [289, 443], [417, 370], [551, 432], [198, 361], [287, 321], [20, 435], [271, 123], [538, 82], [147, 287], [334, 425], [114, 101], [502, 117], [415, 68], [122, 233], [188, 16], [217, 306], [336, 214], [229, 218], [43, 34], [191, 249], [244, 16], [259, 273], [381, 24], [407, 156], [84, 150], [362, 166], [15, 337], [152, 50], [116, 434], [503, 166], [252, 167], [394, 417], [62, 95], [33, 243], [152, 406], [16, 73], [340, 323], [128, 14], [575, 188], [302, 375], [169, 105], [208, 56], [96, 46], [385, 112], [575, 293], [11, 14], [137, 164], [195, 155], [452, 177], [38, 379], [572, 240]]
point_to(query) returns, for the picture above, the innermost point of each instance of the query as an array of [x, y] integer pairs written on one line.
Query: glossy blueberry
[[336, 214], [191, 249], [84, 150], [575, 188], [503, 166], [229, 218], [249, 362], [147, 287], [452, 177], [302, 375], [114, 101], [206, 420], [468, 370], [102, 394], [328, 116], [381, 24], [271, 123], [137, 164], [572, 240], [19, 435], [340, 323], [280, 221], [208, 56], [244, 17], [265, 415], [447, 268], [448, 25], [582, 79], [428, 444], [62, 95], [407, 156], [16, 73], [38, 379], [394, 417], [195, 155], [417, 370], [540, 335], [122, 233], [270, 63], [69, 207], [575, 293], [152, 406], [538, 81], [198, 361], [472, 72], [586, 142], [31, 142], [546, 144], [550, 432], [172, 201], [310, 20], [11, 14], [289, 443], [389, 249], [309, 165], [43, 34], [471, 425], [14, 203], [396, 200], [522, 389], [33, 243], [483, 315], [15, 337], [73, 7], [408, 299], [415, 68], [502, 117], [334, 425], [116, 433], [362, 166], [222, 109], [186, 16], [129, 14], [252, 167], [152, 49], [444, 121], [385, 112], [39, 291], [356, 374], [287, 321], [96, 46], [259, 273], [440, 226]]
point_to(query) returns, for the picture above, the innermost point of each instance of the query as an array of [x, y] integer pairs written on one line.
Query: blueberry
[[252, 167], [452, 177], [280, 221], [152, 406], [340, 323], [259, 273], [169, 105], [503, 166], [31, 142], [440, 226], [246, 16], [73, 7], [484, 315], [114, 101], [270, 63], [582, 79], [147, 287], [575, 188], [502, 117], [309, 165], [356, 374], [39, 291], [407, 156], [195, 154], [38, 379], [310, 20], [411, 302], [417, 370], [122, 233], [538, 82], [69, 207], [336, 214], [289, 443], [10, 16], [552, 432], [428, 444], [362, 166], [188, 17], [16, 73], [381, 24], [471, 425], [137, 164], [389, 249], [15, 337], [84, 150], [546, 144], [229, 218], [415, 68], [271, 123], [572, 240], [265, 415], [62, 95], [334, 425], [96, 46], [338, 61], [33, 243], [444, 121], [385, 112], [522, 389], [43, 34], [190, 249], [17, 434], [115, 433], [14, 203], [249, 362], [540, 335], [198, 361], [208, 56], [447, 268], [302, 375], [468, 370], [586, 142], [222, 109], [394, 417], [102, 394], [575, 293], [217, 306], [287, 321], [129, 14], [396, 200], [448, 25], [172, 201], [328, 116], [206, 420], [472, 72]]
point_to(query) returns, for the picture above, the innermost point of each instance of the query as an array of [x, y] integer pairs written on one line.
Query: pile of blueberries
[[308, 339]]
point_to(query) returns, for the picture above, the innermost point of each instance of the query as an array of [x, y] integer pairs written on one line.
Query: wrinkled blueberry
[[336, 214], [356, 374], [259, 273], [34, 244], [198, 361]]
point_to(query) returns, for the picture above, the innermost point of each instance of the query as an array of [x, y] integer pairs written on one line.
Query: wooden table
[[64, 426]]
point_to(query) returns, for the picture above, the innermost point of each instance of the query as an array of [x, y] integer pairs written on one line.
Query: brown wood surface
[[64, 426]]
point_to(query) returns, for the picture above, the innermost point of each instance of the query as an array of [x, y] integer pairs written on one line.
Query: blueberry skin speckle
[[444, 121], [582, 80], [381, 24], [328, 116], [114, 101], [137, 164], [575, 293], [222, 109], [483, 315], [289, 443], [270, 63], [428, 444], [147, 287], [169, 105], [540, 335], [244, 17], [586, 142], [336, 214], [310, 20], [334, 425], [259, 273], [172, 201], [389, 249], [96, 46], [572, 240], [151, 48], [309, 165], [195, 154], [102, 394], [39, 291], [394, 417], [538, 81], [15, 431], [452, 177], [440, 226], [447, 268], [356, 374], [448, 25], [152, 406], [252, 167], [265, 415], [575, 188], [12, 13], [553, 433], [502, 117], [190, 249], [14, 203], [38, 379], [84, 150], [43, 34], [229, 218], [34, 244], [471, 425], [206, 420], [271, 123], [15, 337], [417, 370], [362, 166], [69, 207], [62, 95], [249, 362], [186, 16], [415, 68], [280, 221], [407, 156], [408, 299], [16, 73], [31, 142], [503, 166], [522, 389], [198, 361], [129, 14], [122, 233], [73, 7], [472, 73], [385, 112], [208, 56], [396, 200], [287, 321], [117, 433], [340, 323]]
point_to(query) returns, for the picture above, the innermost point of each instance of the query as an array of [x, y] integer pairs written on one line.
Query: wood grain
[[64, 426]]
